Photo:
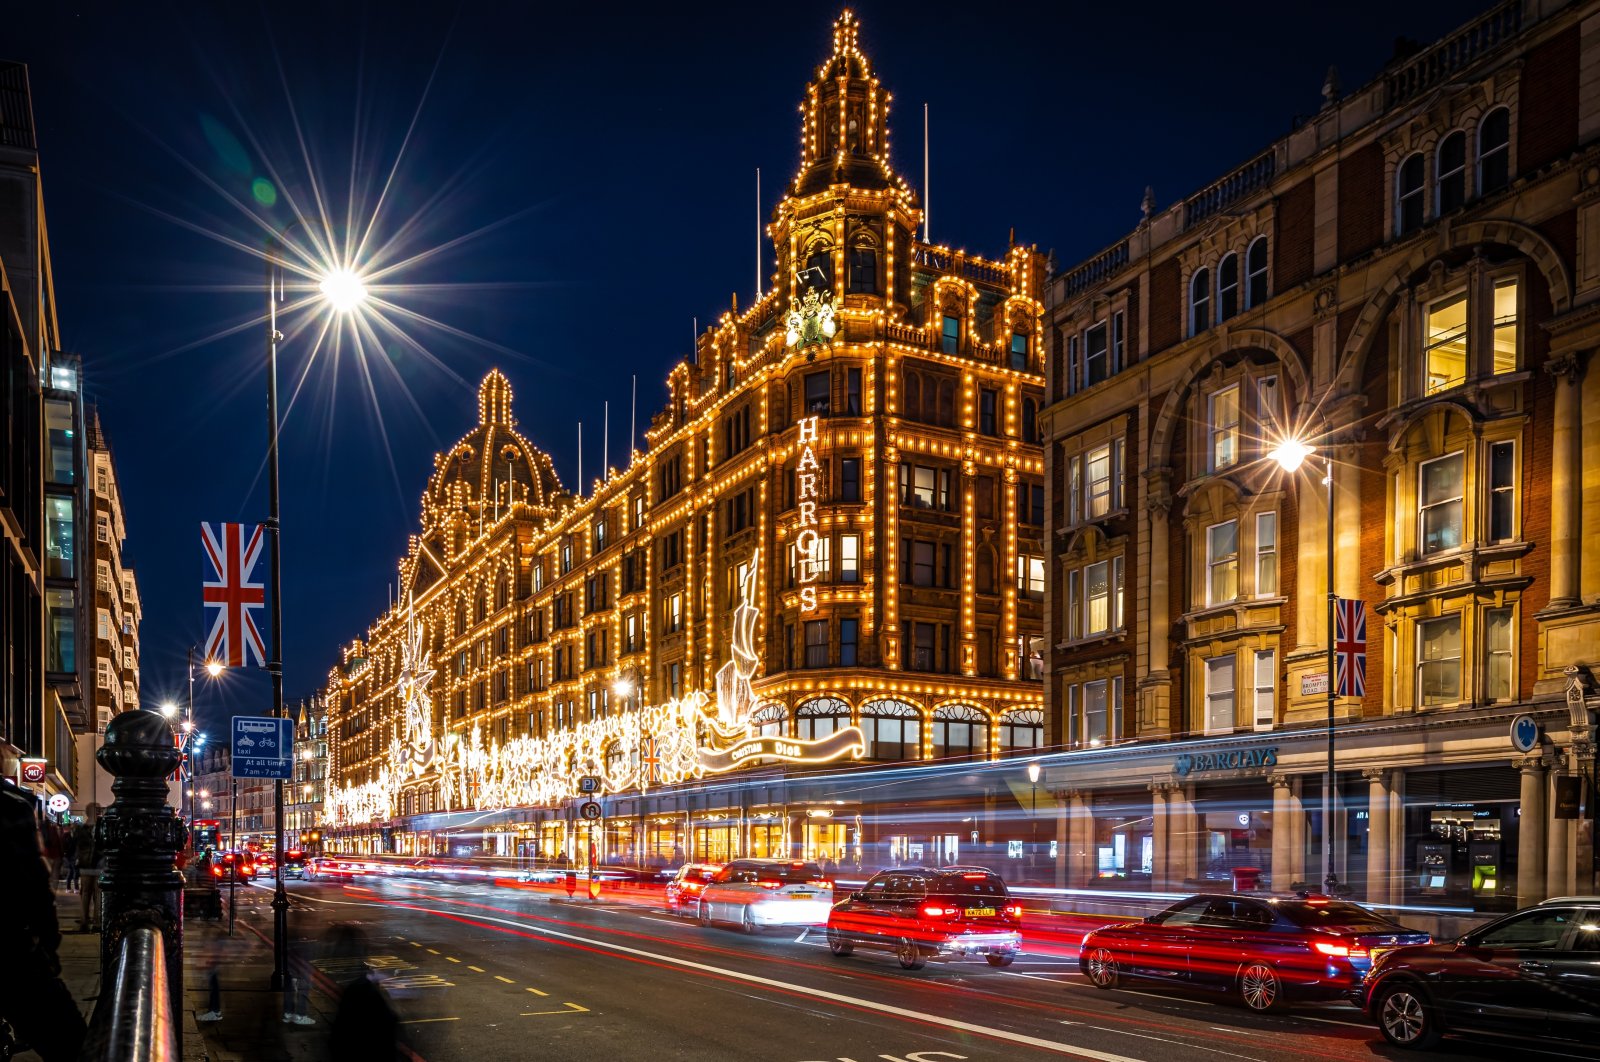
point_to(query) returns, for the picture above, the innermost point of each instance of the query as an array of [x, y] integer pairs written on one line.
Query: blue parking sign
[[263, 747]]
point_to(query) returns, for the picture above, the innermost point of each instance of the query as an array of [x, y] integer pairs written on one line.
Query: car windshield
[[1334, 914], [789, 873]]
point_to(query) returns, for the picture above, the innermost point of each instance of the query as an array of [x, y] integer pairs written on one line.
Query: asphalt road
[[481, 971]]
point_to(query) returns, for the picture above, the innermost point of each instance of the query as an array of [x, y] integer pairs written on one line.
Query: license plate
[[802, 895], [981, 912]]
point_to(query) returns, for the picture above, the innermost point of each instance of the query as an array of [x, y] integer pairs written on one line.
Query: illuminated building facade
[[853, 457], [1410, 280]]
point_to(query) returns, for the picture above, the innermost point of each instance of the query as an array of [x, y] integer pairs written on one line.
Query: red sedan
[[1265, 951]]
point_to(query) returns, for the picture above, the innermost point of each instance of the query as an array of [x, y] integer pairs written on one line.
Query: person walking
[[51, 833], [33, 998], [88, 870], [69, 857]]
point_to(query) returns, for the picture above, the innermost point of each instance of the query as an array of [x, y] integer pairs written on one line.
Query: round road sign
[[58, 803], [590, 810]]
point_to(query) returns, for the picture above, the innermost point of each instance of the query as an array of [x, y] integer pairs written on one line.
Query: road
[[478, 970]]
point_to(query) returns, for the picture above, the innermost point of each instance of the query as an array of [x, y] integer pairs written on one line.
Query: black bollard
[[141, 836]]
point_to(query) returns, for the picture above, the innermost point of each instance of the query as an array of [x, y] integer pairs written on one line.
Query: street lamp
[[169, 710], [1290, 454], [1033, 819]]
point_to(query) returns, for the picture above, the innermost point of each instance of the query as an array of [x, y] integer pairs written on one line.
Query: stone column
[[1160, 592], [1531, 831], [1180, 836], [1063, 837], [1297, 835], [1158, 835], [1378, 854], [1282, 874], [140, 837], [1558, 863], [1566, 482]]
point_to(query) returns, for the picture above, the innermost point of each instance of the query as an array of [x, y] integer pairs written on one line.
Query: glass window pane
[[1497, 644], [1505, 326], [60, 539], [1094, 712], [1439, 660], [1097, 586], [1445, 344], [1224, 427], [1222, 554], [1441, 504], [1219, 694]]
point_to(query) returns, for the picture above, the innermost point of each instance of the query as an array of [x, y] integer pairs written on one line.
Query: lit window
[[1200, 302], [1019, 351], [1505, 326], [1097, 598], [1222, 562], [1227, 287], [1266, 689], [816, 643], [1502, 491], [1440, 509], [1494, 151], [1409, 200], [849, 558], [1255, 264], [1266, 554], [1096, 696], [1224, 427], [1219, 695], [1452, 181], [1439, 660], [951, 335], [1497, 685], [1444, 357], [1097, 464], [1030, 575]]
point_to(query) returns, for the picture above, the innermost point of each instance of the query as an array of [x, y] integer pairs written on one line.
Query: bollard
[[141, 836]]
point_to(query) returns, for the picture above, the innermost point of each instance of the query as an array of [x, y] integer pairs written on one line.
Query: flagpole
[[280, 898], [1330, 880]]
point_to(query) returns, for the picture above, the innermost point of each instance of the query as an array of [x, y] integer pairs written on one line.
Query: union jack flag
[[232, 637], [650, 759], [1350, 647]]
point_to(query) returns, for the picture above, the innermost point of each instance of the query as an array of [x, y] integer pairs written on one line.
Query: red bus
[[207, 835]]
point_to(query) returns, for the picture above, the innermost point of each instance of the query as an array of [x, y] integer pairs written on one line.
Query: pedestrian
[[365, 1026], [69, 857], [89, 871], [33, 999], [51, 833]]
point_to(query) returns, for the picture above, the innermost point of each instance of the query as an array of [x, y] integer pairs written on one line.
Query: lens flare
[[343, 289]]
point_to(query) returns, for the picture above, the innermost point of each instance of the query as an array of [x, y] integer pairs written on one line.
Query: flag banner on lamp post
[[231, 595], [1350, 647]]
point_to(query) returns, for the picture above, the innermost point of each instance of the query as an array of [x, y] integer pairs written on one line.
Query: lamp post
[[1290, 454], [344, 291], [1033, 818]]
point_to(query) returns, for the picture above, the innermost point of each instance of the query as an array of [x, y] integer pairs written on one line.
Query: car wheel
[[705, 915], [1100, 967], [839, 944], [1260, 988], [747, 921], [909, 954], [1001, 959], [1405, 1019]]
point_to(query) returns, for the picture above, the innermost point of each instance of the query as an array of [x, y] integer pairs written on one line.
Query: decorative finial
[[1330, 87], [1148, 204], [494, 400]]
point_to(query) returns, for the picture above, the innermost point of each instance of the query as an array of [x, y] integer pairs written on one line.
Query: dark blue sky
[[605, 160]]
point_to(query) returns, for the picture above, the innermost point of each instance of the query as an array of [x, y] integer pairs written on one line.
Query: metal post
[[185, 792], [1330, 880], [141, 836], [280, 898], [233, 848]]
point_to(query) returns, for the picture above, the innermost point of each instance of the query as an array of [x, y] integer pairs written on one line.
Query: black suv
[[920, 914]]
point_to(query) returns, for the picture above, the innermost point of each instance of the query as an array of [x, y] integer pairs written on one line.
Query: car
[[1534, 974], [755, 893], [945, 914], [684, 887], [294, 863], [232, 867], [332, 868], [1266, 951]]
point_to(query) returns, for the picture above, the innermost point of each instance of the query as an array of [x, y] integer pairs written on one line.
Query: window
[[1102, 594], [1409, 201], [1266, 554], [1440, 492], [1200, 302], [61, 448], [852, 392], [986, 408], [818, 718], [1097, 474], [1266, 689], [950, 337], [1030, 576], [1505, 326], [60, 548], [893, 730], [816, 643], [1219, 695], [632, 635], [849, 558], [1497, 677], [671, 551], [1222, 562], [1444, 356], [638, 513], [1096, 356], [673, 615], [925, 488], [1494, 151], [818, 398], [1224, 427], [1255, 273], [538, 577], [1019, 351], [960, 730], [848, 639], [1030, 657], [864, 268], [1030, 504], [675, 679], [919, 561], [102, 528], [770, 720], [1270, 422], [1099, 699], [671, 477], [1439, 661], [1451, 190], [1227, 287], [1030, 420], [1022, 728], [1502, 492]]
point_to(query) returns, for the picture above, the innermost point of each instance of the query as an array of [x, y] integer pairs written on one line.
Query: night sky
[[583, 177]]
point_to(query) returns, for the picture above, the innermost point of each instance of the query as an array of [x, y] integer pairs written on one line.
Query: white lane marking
[[816, 993], [1168, 999], [1180, 1043], [1039, 977], [1336, 1021]]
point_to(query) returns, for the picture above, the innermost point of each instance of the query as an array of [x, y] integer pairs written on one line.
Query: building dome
[[844, 127], [490, 470]]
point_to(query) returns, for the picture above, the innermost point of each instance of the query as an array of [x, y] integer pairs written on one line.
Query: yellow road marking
[[424, 1021], [448, 958], [536, 992], [475, 969], [572, 1008], [433, 951], [507, 980], [415, 944]]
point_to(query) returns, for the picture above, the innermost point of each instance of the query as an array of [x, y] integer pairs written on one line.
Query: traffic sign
[[590, 810], [263, 747], [589, 783]]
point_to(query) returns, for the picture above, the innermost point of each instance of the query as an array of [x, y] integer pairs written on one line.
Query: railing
[[1096, 269], [132, 1020], [961, 265], [1462, 48], [1216, 197], [16, 110]]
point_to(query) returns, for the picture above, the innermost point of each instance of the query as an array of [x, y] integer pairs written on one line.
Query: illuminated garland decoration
[[683, 739]]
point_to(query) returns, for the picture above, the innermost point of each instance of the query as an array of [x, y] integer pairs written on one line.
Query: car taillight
[[1013, 910], [690, 886], [979, 876], [1341, 951], [933, 910], [821, 885], [770, 884], [216, 872]]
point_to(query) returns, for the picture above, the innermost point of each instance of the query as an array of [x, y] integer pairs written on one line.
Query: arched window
[[1227, 287], [1494, 151], [1200, 302], [820, 717], [1255, 273], [912, 405], [893, 730], [614, 758], [864, 267], [960, 730], [1021, 728], [1410, 203], [819, 267], [1451, 189], [770, 720]]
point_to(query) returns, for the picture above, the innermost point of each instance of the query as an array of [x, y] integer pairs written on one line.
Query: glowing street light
[[1291, 453], [344, 289], [213, 668], [169, 709]]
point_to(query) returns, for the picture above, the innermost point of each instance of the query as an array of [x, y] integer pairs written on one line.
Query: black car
[[944, 914], [1534, 974]]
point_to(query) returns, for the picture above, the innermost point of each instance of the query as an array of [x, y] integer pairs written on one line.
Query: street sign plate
[[263, 747], [590, 810], [1310, 684], [589, 783]]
